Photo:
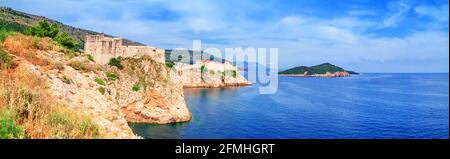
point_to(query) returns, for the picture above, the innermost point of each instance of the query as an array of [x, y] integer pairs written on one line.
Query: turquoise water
[[365, 106]]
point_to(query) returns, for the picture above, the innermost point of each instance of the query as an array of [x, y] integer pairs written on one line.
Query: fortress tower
[[104, 48]]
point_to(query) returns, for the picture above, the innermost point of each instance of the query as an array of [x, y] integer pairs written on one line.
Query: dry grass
[[27, 47], [84, 65], [26, 103]]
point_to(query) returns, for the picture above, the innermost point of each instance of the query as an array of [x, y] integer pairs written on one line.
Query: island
[[322, 70]]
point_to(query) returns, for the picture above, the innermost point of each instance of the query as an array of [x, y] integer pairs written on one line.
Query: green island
[[325, 69]]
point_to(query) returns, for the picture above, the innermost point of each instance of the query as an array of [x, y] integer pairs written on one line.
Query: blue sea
[[366, 106]]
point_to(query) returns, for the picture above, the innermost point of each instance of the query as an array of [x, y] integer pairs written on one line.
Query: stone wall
[[104, 48]]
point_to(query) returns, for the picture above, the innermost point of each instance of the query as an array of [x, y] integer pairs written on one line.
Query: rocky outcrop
[[157, 96], [210, 74]]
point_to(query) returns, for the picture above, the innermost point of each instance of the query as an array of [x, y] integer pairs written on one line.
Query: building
[[104, 48]]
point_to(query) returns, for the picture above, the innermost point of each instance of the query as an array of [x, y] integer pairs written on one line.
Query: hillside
[[193, 56], [321, 69], [10, 18], [47, 90], [19, 21]]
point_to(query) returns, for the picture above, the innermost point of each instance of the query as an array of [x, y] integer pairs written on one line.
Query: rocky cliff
[[143, 91], [210, 74]]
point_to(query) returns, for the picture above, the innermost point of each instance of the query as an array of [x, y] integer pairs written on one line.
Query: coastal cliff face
[[144, 91], [149, 92], [210, 74]]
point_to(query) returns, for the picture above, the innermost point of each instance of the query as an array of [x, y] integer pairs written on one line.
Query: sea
[[365, 106]]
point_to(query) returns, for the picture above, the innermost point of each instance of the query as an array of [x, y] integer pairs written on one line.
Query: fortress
[[104, 48]]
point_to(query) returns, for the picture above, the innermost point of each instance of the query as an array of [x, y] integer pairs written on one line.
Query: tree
[[44, 29], [116, 62], [65, 40]]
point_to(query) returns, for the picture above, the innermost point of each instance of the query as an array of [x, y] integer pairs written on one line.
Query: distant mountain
[[10, 18], [318, 69]]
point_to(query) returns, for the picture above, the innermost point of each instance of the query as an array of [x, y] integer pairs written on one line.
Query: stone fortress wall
[[104, 48]]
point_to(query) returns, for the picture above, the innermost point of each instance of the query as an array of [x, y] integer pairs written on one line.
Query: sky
[[360, 35]]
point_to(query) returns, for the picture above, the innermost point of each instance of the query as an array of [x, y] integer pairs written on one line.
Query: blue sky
[[361, 35]]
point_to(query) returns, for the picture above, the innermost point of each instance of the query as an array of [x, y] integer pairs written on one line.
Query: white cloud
[[440, 13], [302, 39], [398, 13], [362, 13], [292, 20]]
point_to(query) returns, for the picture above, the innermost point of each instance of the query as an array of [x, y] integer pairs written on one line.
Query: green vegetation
[[65, 40], [232, 73], [44, 29], [26, 113], [90, 58], [70, 127], [66, 79], [203, 69], [136, 87], [6, 61], [79, 66], [18, 21], [170, 64], [318, 69], [100, 81], [7, 26], [111, 76], [116, 62], [101, 90], [4, 32], [8, 127]]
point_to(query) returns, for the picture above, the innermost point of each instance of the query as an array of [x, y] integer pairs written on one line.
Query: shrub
[[79, 66], [58, 65], [203, 69], [170, 64], [90, 57], [65, 40], [116, 62], [8, 127], [101, 90], [232, 73], [136, 87], [5, 60], [66, 79], [44, 29], [111, 76], [100, 81], [4, 33]]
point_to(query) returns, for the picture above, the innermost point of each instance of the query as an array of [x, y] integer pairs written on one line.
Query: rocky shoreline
[[328, 74]]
